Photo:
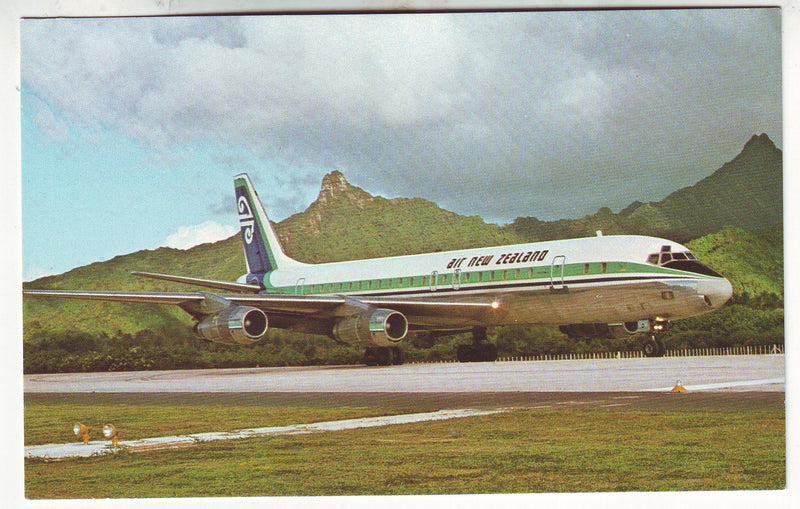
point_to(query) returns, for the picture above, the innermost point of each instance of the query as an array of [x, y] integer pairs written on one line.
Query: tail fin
[[262, 250]]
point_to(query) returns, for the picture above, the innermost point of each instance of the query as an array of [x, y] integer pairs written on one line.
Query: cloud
[[190, 236], [432, 105]]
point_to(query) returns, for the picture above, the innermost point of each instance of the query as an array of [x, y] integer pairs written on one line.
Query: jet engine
[[375, 327], [605, 330], [234, 325]]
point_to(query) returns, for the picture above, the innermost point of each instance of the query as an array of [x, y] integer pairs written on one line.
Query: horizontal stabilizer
[[230, 286]]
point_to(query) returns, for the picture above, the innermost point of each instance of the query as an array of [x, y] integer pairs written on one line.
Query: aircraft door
[[557, 273], [298, 287]]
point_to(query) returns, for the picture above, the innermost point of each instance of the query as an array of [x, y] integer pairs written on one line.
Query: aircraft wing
[[297, 306]]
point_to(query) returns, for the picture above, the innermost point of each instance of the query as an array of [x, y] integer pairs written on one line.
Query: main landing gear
[[383, 356], [479, 350]]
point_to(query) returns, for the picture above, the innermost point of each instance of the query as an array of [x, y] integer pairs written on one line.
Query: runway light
[[82, 431], [110, 432], [495, 304]]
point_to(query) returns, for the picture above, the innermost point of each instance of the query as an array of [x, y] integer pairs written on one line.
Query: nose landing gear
[[654, 346]]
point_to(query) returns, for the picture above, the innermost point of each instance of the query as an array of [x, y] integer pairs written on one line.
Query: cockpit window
[[685, 261], [692, 266]]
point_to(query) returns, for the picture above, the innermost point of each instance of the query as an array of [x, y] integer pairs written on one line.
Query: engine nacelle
[[375, 327], [235, 325], [605, 330]]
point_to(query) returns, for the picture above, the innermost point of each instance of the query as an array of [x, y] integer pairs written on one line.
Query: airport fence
[[688, 352]]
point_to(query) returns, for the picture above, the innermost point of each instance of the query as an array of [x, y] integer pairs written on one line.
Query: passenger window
[[603, 267], [585, 268]]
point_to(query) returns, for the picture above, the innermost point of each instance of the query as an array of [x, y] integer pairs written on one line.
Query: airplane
[[603, 286]]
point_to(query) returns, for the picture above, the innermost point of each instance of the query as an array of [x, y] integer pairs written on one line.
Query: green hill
[[751, 260], [347, 223], [745, 193]]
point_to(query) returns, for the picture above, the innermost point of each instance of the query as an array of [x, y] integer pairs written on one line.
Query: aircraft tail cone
[[678, 387]]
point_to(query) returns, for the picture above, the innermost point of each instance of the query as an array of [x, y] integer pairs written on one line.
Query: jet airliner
[[591, 287]]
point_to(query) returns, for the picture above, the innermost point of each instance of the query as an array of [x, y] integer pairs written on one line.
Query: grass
[[52, 423], [525, 451]]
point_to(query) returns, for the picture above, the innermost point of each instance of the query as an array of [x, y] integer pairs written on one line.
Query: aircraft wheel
[[488, 352], [397, 356], [384, 356], [485, 352], [662, 348], [370, 357], [654, 348], [465, 353]]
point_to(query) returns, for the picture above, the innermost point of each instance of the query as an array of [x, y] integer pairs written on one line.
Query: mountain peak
[[334, 185], [336, 189], [334, 182], [759, 141]]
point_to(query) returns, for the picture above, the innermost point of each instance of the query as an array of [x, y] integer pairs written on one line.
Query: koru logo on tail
[[246, 218]]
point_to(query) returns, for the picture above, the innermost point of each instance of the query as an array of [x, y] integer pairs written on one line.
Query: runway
[[720, 373]]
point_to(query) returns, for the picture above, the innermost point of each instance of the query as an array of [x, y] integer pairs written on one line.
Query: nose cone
[[716, 291]]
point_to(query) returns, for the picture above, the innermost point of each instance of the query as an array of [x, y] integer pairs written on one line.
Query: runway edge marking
[[98, 448], [724, 385]]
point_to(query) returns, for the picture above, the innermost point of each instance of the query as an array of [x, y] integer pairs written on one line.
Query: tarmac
[[744, 372]]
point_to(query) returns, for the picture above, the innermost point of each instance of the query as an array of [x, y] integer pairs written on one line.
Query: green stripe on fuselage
[[474, 280]]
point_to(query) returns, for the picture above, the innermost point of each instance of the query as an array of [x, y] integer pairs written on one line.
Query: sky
[[132, 128]]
